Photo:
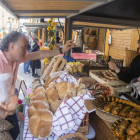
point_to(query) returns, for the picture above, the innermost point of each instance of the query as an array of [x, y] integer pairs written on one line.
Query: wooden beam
[[103, 20], [92, 6], [69, 33], [38, 34], [43, 36], [76, 0], [20, 17], [44, 11]]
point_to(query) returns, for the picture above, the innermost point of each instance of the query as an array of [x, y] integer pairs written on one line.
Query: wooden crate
[[130, 55], [111, 83], [84, 125], [57, 64]]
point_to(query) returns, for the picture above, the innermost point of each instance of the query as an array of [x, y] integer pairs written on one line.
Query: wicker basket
[[84, 125], [74, 136]]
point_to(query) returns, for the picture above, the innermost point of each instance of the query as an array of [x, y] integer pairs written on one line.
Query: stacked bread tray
[[107, 76], [112, 109]]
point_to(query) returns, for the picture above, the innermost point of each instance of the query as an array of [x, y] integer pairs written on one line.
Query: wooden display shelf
[[101, 127]]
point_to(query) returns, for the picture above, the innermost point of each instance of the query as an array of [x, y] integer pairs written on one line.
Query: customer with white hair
[[8, 106]]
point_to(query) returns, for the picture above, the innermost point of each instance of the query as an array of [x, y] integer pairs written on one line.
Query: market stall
[[44, 115], [70, 104]]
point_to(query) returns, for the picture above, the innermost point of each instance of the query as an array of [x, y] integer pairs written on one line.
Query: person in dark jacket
[[26, 64], [35, 64], [133, 71]]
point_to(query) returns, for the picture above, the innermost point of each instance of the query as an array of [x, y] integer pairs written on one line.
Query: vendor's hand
[[139, 79], [113, 66], [67, 46]]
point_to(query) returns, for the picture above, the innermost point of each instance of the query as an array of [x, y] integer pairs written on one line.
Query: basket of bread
[[113, 108], [62, 94], [126, 129]]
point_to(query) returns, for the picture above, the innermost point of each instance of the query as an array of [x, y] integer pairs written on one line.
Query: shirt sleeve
[[130, 73], [1, 66], [26, 57]]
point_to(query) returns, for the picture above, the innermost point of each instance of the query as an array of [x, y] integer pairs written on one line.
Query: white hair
[[4, 87]]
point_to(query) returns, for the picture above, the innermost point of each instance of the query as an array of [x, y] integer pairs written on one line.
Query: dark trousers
[[33, 71], [14, 132]]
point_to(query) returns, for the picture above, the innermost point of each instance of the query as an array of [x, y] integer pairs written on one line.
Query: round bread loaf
[[59, 84], [55, 105], [37, 105], [35, 83], [52, 85], [35, 80], [52, 95], [63, 88], [40, 123], [39, 96], [39, 89], [71, 92], [36, 86]]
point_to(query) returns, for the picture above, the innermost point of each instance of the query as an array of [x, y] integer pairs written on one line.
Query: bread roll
[[39, 96], [40, 123], [71, 92], [63, 88], [39, 89], [35, 83], [35, 80], [31, 111], [52, 85], [59, 84], [81, 92], [55, 105], [37, 105], [52, 95], [37, 86]]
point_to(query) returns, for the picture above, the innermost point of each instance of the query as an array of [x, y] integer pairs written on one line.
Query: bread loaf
[[39, 89], [71, 92], [52, 85], [81, 92], [52, 95], [55, 105], [37, 105], [59, 84], [39, 96], [36, 86], [35, 80], [40, 123], [31, 111], [63, 88]]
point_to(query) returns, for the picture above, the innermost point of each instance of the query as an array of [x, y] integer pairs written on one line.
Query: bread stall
[[58, 103]]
